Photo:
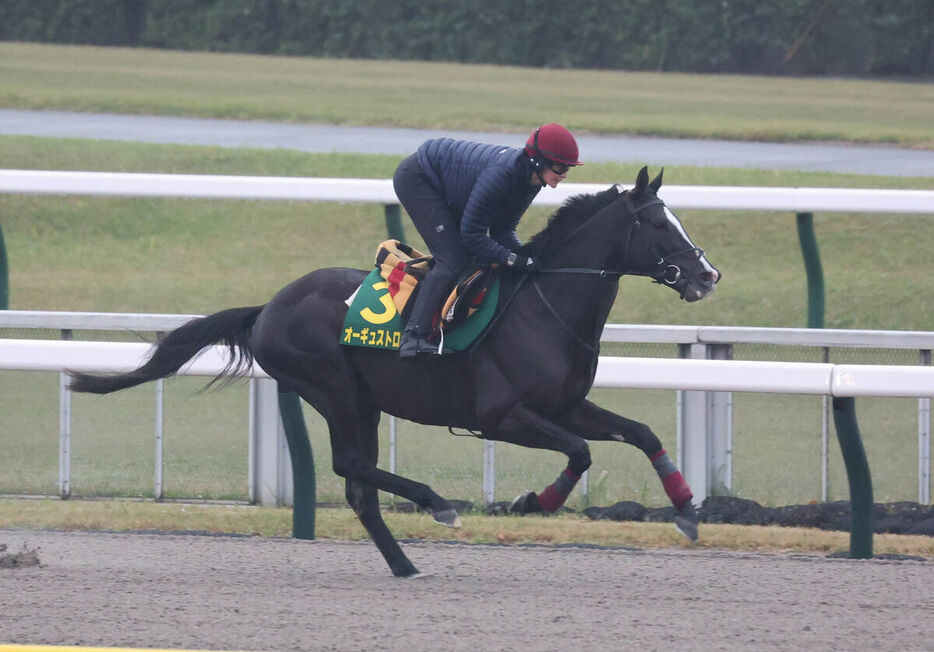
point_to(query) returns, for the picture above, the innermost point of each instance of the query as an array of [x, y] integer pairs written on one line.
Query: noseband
[[668, 272]]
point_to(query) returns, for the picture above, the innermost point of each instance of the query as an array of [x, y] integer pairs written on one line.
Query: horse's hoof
[[447, 518], [406, 571], [526, 503], [686, 522]]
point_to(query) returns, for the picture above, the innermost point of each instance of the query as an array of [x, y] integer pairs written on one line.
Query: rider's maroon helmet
[[553, 142]]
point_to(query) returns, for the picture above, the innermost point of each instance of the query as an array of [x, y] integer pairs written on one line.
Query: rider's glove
[[522, 263]]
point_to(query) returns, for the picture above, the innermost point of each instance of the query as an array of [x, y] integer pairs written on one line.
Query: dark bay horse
[[526, 381]]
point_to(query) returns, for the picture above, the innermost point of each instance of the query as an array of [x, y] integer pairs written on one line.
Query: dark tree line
[[803, 37]]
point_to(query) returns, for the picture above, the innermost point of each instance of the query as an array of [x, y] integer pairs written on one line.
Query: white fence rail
[[102, 357], [815, 378], [704, 452], [703, 415], [204, 186]]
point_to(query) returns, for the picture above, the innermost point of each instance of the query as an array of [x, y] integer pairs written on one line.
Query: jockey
[[466, 200]]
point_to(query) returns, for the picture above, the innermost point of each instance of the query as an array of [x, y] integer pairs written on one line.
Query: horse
[[525, 381]]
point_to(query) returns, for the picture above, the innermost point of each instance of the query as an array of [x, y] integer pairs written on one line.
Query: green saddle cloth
[[373, 321]]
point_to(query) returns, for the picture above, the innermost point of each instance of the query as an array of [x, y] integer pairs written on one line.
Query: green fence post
[[394, 222], [4, 275], [857, 473], [303, 466], [815, 273], [844, 409], [304, 494]]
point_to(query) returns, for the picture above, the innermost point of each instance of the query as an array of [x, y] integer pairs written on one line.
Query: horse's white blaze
[[675, 222]]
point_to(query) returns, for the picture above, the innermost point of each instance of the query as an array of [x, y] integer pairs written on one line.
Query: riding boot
[[419, 327], [413, 344]]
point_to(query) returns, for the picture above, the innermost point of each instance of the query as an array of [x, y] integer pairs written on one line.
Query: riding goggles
[[558, 168]]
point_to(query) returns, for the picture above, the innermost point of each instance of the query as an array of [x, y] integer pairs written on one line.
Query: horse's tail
[[229, 327]]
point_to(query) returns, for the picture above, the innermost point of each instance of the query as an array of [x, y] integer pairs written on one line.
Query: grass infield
[[458, 96]]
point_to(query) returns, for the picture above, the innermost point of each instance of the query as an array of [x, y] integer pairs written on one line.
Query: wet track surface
[[855, 159]]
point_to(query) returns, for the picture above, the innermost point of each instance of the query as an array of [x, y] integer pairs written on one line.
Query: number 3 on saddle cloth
[[378, 309]]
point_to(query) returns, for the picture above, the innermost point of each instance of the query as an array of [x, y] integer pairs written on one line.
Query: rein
[[554, 313]]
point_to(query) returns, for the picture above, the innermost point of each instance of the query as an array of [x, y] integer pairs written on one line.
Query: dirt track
[[186, 591]]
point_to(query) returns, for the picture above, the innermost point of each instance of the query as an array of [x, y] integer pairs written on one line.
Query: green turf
[[456, 96], [175, 255], [186, 256]]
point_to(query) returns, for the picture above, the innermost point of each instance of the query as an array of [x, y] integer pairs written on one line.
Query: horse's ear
[[642, 179], [657, 181]]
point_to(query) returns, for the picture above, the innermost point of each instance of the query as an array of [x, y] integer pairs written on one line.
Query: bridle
[[667, 272], [660, 275]]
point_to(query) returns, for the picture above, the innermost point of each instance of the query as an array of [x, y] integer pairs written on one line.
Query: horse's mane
[[566, 219]]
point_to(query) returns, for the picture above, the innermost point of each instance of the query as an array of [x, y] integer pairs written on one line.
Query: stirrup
[[413, 345]]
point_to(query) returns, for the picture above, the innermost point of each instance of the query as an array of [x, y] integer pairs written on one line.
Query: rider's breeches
[[440, 231]]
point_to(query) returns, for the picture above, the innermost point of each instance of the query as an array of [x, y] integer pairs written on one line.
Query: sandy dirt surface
[[189, 591]]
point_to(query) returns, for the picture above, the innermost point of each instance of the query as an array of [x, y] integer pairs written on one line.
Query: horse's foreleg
[[527, 428], [596, 423]]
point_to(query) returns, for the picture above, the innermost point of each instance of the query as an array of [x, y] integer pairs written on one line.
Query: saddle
[[378, 309]]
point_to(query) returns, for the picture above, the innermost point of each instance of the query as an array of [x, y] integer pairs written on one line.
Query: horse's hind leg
[[364, 499], [352, 433], [352, 421]]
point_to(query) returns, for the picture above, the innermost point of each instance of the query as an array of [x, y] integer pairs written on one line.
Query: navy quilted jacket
[[486, 187]]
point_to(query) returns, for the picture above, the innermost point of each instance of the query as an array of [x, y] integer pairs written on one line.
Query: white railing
[[205, 186], [268, 470], [693, 410], [704, 453]]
